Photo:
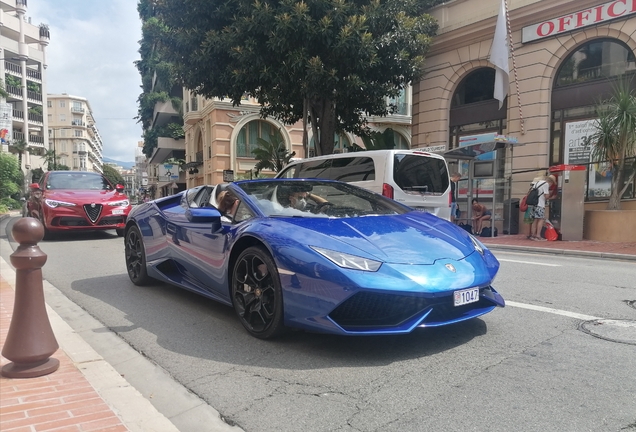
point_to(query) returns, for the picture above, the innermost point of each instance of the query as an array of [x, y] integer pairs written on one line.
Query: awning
[[473, 146]]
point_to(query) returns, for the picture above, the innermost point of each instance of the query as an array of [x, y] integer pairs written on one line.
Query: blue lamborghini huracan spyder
[[318, 255]]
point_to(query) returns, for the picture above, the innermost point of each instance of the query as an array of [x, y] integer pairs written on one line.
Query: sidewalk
[[583, 248]]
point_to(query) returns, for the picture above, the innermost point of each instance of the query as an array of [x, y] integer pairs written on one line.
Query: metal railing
[[39, 118], [34, 74], [77, 110], [12, 67]]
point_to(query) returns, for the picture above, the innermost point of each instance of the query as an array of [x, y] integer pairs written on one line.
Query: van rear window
[[420, 174], [345, 169]]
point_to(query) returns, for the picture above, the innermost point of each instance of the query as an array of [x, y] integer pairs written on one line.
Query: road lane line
[[528, 262], [552, 311]]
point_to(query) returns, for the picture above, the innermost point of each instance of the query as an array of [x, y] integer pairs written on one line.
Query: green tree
[[615, 137], [112, 175], [3, 91], [50, 158], [271, 154], [332, 62], [19, 147], [377, 141], [10, 182]]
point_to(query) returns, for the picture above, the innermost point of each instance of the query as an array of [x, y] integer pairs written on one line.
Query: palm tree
[[50, 158], [614, 140], [271, 154], [19, 147]]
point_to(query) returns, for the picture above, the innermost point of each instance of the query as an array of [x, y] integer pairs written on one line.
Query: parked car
[[78, 200], [415, 178], [318, 255]]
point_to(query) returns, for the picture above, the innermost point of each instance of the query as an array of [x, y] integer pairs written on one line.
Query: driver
[[298, 199]]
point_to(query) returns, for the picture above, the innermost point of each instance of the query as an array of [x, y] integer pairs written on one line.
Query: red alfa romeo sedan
[[78, 200]]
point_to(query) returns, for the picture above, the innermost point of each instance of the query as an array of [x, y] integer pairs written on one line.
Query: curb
[[564, 252]]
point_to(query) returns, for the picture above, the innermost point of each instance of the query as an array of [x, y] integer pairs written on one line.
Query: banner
[[6, 125]]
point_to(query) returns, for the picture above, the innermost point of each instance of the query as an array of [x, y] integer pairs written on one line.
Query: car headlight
[[479, 246], [122, 203], [55, 203], [348, 261]]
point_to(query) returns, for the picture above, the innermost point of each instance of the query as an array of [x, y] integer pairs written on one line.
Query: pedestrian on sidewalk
[[538, 211]]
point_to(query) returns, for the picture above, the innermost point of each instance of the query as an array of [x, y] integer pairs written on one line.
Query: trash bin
[[511, 216]]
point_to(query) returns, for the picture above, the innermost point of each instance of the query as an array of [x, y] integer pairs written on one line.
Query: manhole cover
[[622, 331], [630, 303]]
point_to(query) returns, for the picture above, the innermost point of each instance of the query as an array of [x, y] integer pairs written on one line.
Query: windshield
[[77, 181], [315, 198]]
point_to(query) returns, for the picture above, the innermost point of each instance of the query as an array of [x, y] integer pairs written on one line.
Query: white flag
[[499, 54]]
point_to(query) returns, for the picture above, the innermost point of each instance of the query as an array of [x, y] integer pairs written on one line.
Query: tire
[[256, 293], [120, 232], [136, 257]]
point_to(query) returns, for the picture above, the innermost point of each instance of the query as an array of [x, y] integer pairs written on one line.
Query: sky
[[91, 54]]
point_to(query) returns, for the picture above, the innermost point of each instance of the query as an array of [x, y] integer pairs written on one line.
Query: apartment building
[[23, 54], [73, 134]]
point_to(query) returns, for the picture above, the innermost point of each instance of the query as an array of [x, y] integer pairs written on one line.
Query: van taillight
[[387, 190], [450, 198]]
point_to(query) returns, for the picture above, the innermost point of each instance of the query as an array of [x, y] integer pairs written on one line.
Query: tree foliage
[[614, 140], [271, 154], [10, 181], [336, 61], [112, 175], [158, 80]]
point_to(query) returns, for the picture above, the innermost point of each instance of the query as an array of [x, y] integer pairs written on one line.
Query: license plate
[[470, 295], [422, 209], [118, 212]]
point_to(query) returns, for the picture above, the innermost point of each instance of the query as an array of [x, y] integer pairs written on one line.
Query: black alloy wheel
[[257, 294], [136, 257]]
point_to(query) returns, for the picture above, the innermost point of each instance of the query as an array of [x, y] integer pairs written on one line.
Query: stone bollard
[[30, 341]]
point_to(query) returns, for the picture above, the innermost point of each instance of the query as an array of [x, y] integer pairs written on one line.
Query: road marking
[[552, 311], [529, 262]]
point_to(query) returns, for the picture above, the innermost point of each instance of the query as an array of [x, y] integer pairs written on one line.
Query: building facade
[[220, 137], [23, 54], [73, 133], [565, 56]]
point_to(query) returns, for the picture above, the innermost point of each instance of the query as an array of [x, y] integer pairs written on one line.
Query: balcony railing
[[77, 123], [34, 74], [18, 114], [18, 136], [77, 109], [12, 67], [34, 95], [17, 91], [36, 117]]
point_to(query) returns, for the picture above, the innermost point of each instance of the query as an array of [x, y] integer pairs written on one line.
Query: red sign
[[583, 18]]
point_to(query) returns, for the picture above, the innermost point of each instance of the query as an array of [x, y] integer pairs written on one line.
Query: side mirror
[[203, 215], [120, 188]]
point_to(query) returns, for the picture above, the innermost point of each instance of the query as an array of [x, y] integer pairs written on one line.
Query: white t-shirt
[[544, 191]]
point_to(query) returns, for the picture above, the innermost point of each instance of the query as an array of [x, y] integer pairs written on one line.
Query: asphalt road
[[527, 367]]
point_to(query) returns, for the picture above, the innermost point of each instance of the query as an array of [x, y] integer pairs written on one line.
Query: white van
[[415, 178]]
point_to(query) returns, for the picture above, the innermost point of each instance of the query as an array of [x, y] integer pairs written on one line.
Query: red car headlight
[[122, 203], [55, 203]]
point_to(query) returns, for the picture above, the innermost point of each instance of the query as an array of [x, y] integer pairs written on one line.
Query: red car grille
[[93, 211]]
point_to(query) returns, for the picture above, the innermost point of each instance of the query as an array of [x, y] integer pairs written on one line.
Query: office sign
[[578, 20]]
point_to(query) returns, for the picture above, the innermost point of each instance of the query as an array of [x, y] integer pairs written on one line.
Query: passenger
[[228, 203]]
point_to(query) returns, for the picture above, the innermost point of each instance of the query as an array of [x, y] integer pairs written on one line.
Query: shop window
[[401, 143], [250, 133], [596, 60]]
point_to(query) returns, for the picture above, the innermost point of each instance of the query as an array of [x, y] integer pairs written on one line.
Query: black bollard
[[30, 340]]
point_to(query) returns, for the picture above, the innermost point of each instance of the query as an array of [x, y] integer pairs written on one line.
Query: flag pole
[[514, 67]]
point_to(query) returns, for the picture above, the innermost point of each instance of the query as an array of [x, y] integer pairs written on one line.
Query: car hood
[[412, 238], [84, 196]]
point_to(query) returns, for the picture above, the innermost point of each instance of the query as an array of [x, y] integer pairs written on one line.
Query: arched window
[[596, 60], [341, 143], [248, 136], [473, 107], [401, 143]]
